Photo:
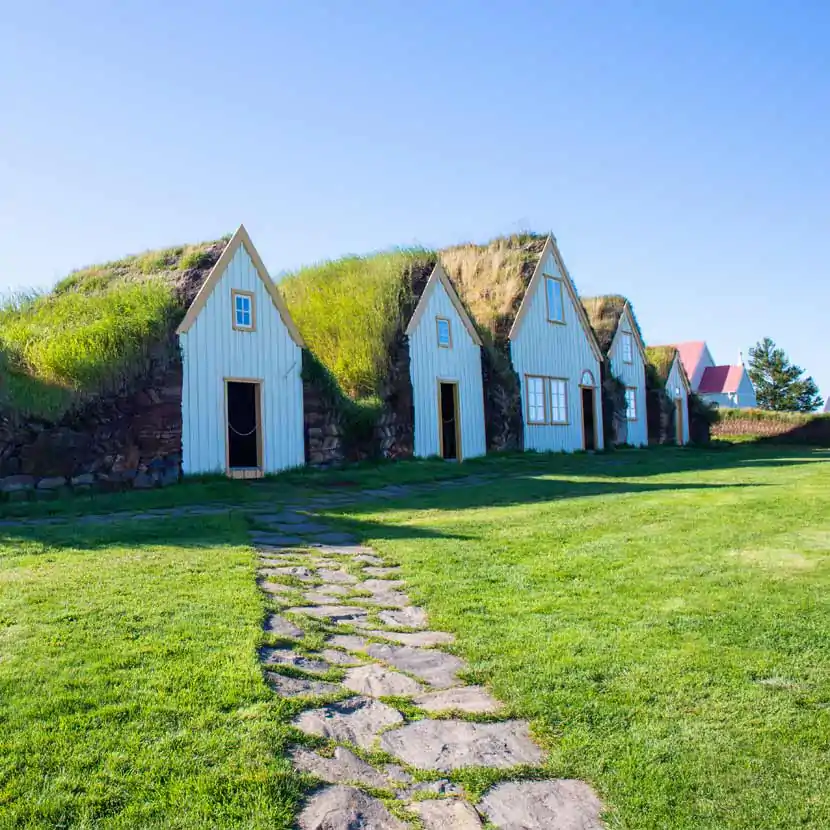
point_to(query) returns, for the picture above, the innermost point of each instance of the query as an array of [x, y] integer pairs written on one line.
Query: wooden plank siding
[[633, 375]]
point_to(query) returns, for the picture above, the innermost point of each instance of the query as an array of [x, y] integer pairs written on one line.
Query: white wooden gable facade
[[627, 357], [242, 391], [445, 370], [678, 391], [556, 356]]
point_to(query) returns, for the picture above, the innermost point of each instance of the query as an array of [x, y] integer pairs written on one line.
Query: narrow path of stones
[[387, 711]]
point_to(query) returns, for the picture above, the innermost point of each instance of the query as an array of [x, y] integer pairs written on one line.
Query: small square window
[[553, 293], [627, 347], [631, 403], [244, 318], [444, 332]]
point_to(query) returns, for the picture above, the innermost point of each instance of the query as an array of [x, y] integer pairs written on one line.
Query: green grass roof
[[604, 315], [661, 359], [93, 333]]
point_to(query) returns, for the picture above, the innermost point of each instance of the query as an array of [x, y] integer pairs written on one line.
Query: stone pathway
[[389, 714]]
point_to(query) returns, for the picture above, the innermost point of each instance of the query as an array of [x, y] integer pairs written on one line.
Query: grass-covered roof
[[93, 332], [492, 279], [661, 359], [604, 315]]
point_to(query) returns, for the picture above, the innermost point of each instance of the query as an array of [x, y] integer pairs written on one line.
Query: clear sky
[[680, 151]]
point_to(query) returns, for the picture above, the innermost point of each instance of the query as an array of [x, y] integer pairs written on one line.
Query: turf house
[[525, 302], [668, 396], [619, 337]]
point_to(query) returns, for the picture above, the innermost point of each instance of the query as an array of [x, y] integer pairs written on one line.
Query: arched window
[[587, 379]]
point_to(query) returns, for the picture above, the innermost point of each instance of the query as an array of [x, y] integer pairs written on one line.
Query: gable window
[[444, 332], [558, 401], [536, 400], [630, 403], [244, 313], [627, 347], [556, 306]]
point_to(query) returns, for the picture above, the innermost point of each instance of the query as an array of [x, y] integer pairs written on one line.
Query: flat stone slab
[[346, 808], [434, 667], [286, 657], [387, 599], [318, 598], [446, 814], [380, 586], [475, 700], [275, 540], [373, 570], [344, 768], [346, 614], [336, 576], [340, 658], [297, 571], [351, 642], [447, 745], [269, 587], [563, 804], [368, 558], [357, 720], [421, 639], [355, 550], [300, 528], [276, 624], [443, 786], [377, 681], [284, 517], [334, 537], [411, 617], [286, 686]]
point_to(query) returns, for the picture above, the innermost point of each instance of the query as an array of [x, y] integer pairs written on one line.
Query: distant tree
[[778, 383]]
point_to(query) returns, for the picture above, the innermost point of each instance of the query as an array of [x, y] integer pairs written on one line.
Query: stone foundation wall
[[121, 441], [502, 402], [395, 429], [324, 439]]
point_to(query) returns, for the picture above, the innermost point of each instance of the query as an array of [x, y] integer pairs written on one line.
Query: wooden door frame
[[680, 421], [593, 390], [246, 472], [457, 399]]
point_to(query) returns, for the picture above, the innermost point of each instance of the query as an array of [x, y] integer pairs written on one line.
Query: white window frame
[[558, 402], [627, 347], [536, 387], [631, 403], [561, 288], [250, 312], [438, 321]]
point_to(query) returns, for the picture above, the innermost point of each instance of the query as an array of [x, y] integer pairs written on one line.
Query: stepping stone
[[349, 550], [367, 557], [286, 657], [300, 686], [335, 589], [351, 642], [344, 768], [564, 804], [377, 681], [388, 599], [340, 658], [275, 587], [475, 700], [381, 572], [422, 639], [337, 576], [380, 586], [410, 617], [276, 624], [346, 808], [299, 528], [397, 774], [447, 745], [357, 720], [297, 571], [342, 614], [317, 598], [443, 786], [286, 517], [275, 540], [435, 667], [447, 814]]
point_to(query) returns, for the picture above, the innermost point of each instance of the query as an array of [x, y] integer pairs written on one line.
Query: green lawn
[[662, 617]]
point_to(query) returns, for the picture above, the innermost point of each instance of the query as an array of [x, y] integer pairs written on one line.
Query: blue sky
[[678, 150]]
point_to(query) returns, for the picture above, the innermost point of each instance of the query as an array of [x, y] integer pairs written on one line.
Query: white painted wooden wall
[[634, 375], [677, 391], [212, 351], [430, 364], [562, 351]]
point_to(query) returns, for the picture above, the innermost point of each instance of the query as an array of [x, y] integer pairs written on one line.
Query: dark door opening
[[589, 432], [679, 421], [243, 425], [448, 399]]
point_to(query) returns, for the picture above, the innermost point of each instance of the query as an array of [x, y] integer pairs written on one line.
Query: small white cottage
[[619, 336], [445, 370], [557, 358], [242, 390], [668, 368]]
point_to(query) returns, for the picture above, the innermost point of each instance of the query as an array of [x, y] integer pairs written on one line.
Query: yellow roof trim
[[439, 275], [552, 248], [239, 238]]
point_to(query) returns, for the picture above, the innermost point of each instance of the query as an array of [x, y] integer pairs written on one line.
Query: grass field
[[663, 618]]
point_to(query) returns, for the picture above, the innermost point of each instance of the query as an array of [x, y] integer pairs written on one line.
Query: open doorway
[[448, 420], [678, 421], [244, 427], [589, 423]]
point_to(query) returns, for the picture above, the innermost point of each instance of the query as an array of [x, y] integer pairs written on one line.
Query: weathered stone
[[368, 558], [275, 540], [387, 599], [381, 572], [380, 586], [357, 720], [143, 481], [317, 598], [344, 768], [346, 614], [276, 624], [443, 786], [435, 667], [297, 571], [474, 700], [346, 808], [422, 639], [351, 642], [298, 528], [334, 537], [286, 517], [397, 774], [357, 551], [447, 814], [300, 686], [274, 587], [447, 745], [334, 590], [411, 617], [286, 657], [377, 681], [340, 658], [336, 576], [83, 480], [564, 804]]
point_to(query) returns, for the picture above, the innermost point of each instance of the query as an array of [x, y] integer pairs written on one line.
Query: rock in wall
[[395, 429], [502, 402]]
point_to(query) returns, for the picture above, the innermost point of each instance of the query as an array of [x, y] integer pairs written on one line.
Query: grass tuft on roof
[[661, 360], [93, 333], [604, 316]]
